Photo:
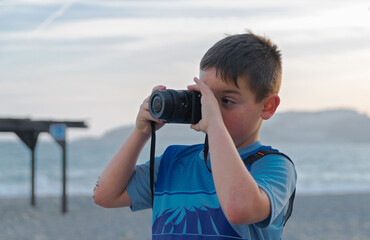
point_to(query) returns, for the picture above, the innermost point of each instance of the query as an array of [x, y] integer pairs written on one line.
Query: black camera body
[[176, 106]]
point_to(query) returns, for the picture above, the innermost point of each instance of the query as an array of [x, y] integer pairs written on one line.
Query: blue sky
[[97, 60]]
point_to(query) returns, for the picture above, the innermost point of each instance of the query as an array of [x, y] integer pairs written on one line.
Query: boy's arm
[[242, 201], [110, 190], [240, 197]]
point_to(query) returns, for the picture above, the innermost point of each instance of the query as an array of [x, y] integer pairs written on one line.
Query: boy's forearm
[[117, 173], [240, 197]]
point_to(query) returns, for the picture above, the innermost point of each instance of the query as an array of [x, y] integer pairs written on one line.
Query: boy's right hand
[[144, 118]]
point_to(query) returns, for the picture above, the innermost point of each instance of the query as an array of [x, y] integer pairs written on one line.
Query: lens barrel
[[157, 104], [175, 106]]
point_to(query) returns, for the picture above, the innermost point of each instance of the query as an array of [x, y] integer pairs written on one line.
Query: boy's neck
[[250, 148]]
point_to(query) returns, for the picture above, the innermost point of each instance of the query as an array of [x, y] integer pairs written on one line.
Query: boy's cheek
[[229, 118]]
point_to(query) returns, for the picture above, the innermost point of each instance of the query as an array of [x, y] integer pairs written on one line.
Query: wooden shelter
[[28, 131]]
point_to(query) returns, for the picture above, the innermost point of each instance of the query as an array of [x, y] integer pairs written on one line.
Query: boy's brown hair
[[250, 56]]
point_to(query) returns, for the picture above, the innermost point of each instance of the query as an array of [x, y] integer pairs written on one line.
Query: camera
[[176, 106]]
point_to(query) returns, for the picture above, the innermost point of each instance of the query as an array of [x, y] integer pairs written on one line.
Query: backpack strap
[[260, 154]]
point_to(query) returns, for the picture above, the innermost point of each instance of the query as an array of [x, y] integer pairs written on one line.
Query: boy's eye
[[227, 101]]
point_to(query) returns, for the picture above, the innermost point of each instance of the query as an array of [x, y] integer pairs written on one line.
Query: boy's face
[[240, 113]]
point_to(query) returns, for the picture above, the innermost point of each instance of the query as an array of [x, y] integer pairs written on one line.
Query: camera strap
[[151, 164], [152, 156], [205, 152]]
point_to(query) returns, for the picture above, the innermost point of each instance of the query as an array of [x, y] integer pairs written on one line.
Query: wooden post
[[30, 139], [33, 201], [58, 132], [64, 176]]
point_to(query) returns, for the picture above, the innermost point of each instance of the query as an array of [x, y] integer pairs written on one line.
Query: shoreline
[[301, 193], [322, 216]]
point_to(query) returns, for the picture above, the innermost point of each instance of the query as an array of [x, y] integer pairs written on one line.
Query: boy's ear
[[270, 104]]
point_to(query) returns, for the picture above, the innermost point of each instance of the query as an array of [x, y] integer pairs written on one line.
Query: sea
[[321, 167]]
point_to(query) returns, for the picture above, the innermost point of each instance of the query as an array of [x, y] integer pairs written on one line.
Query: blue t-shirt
[[186, 204]]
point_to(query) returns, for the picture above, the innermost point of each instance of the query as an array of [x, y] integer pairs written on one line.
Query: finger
[[195, 127], [159, 87], [196, 80], [204, 89], [145, 105], [198, 126], [200, 84], [146, 100], [147, 115], [193, 87]]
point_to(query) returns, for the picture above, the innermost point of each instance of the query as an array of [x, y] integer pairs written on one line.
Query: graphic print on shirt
[[204, 221], [186, 204]]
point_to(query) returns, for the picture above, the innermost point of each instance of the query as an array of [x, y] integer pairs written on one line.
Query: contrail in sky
[[60, 12]]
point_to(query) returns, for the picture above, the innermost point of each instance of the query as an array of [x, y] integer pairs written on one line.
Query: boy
[[239, 81]]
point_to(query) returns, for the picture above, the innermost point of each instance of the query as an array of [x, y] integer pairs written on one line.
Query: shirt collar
[[244, 150], [250, 148]]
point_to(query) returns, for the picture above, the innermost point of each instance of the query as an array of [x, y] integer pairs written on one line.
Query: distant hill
[[337, 125], [170, 134]]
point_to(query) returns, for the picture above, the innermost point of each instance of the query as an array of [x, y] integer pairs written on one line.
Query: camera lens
[[175, 106], [157, 104], [161, 104]]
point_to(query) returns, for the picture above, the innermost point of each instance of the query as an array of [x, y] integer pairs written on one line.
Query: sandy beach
[[321, 217]]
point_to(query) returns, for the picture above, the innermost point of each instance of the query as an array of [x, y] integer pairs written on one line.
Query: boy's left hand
[[211, 113]]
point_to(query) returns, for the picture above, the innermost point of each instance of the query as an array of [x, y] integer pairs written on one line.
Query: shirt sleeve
[[138, 187], [275, 175]]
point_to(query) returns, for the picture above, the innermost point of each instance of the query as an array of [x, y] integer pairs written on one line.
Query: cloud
[[155, 28], [158, 4], [31, 2], [324, 26]]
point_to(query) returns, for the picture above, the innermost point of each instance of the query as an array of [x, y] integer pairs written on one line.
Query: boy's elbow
[[237, 215], [98, 200], [235, 219], [101, 199], [240, 214]]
